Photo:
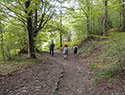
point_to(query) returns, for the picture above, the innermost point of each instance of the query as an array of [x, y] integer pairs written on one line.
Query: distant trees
[[86, 11], [99, 16]]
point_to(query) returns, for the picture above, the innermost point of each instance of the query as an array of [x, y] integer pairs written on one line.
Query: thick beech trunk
[[31, 51]]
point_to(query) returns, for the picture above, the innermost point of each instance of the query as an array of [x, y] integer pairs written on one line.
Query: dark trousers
[[75, 51], [52, 52]]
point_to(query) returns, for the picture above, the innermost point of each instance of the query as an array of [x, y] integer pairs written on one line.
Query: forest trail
[[53, 76], [77, 79]]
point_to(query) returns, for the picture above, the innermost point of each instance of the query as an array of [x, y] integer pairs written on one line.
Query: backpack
[[66, 50], [51, 45], [75, 48]]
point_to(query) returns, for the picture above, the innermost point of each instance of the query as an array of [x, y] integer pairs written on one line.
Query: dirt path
[[52, 76], [77, 79]]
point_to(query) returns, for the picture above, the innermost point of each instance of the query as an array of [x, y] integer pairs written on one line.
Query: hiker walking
[[51, 46], [75, 48], [65, 52]]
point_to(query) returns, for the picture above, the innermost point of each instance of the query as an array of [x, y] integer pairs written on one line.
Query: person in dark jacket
[[75, 48], [51, 46]]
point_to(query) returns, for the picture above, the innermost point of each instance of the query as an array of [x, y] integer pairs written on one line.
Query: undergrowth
[[87, 49], [18, 61], [109, 62]]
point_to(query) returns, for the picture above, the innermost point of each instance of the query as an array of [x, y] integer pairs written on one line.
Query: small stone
[[61, 75], [83, 74], [115, 93], [17, 93], [38, 87], [16, 87], [24, 88], [36, 81], [7, 90], [21, 85], [24, 91]]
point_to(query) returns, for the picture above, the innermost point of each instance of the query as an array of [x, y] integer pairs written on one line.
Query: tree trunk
[[36, 14], [60, 39], [106, 15], [8, 53], [123, 17], [31, 51], [2, 47], [92, 18], [61, 25], [120, 15], [88, 24]]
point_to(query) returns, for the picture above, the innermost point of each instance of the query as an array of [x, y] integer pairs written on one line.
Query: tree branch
[[83, 10], [42, 21], [11, 9], [22, 20]]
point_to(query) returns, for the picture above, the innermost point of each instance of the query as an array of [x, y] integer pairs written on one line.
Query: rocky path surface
[[52, 76], [77, 79]]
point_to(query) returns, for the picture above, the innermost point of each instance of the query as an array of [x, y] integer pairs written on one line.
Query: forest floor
[[56, 76]]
